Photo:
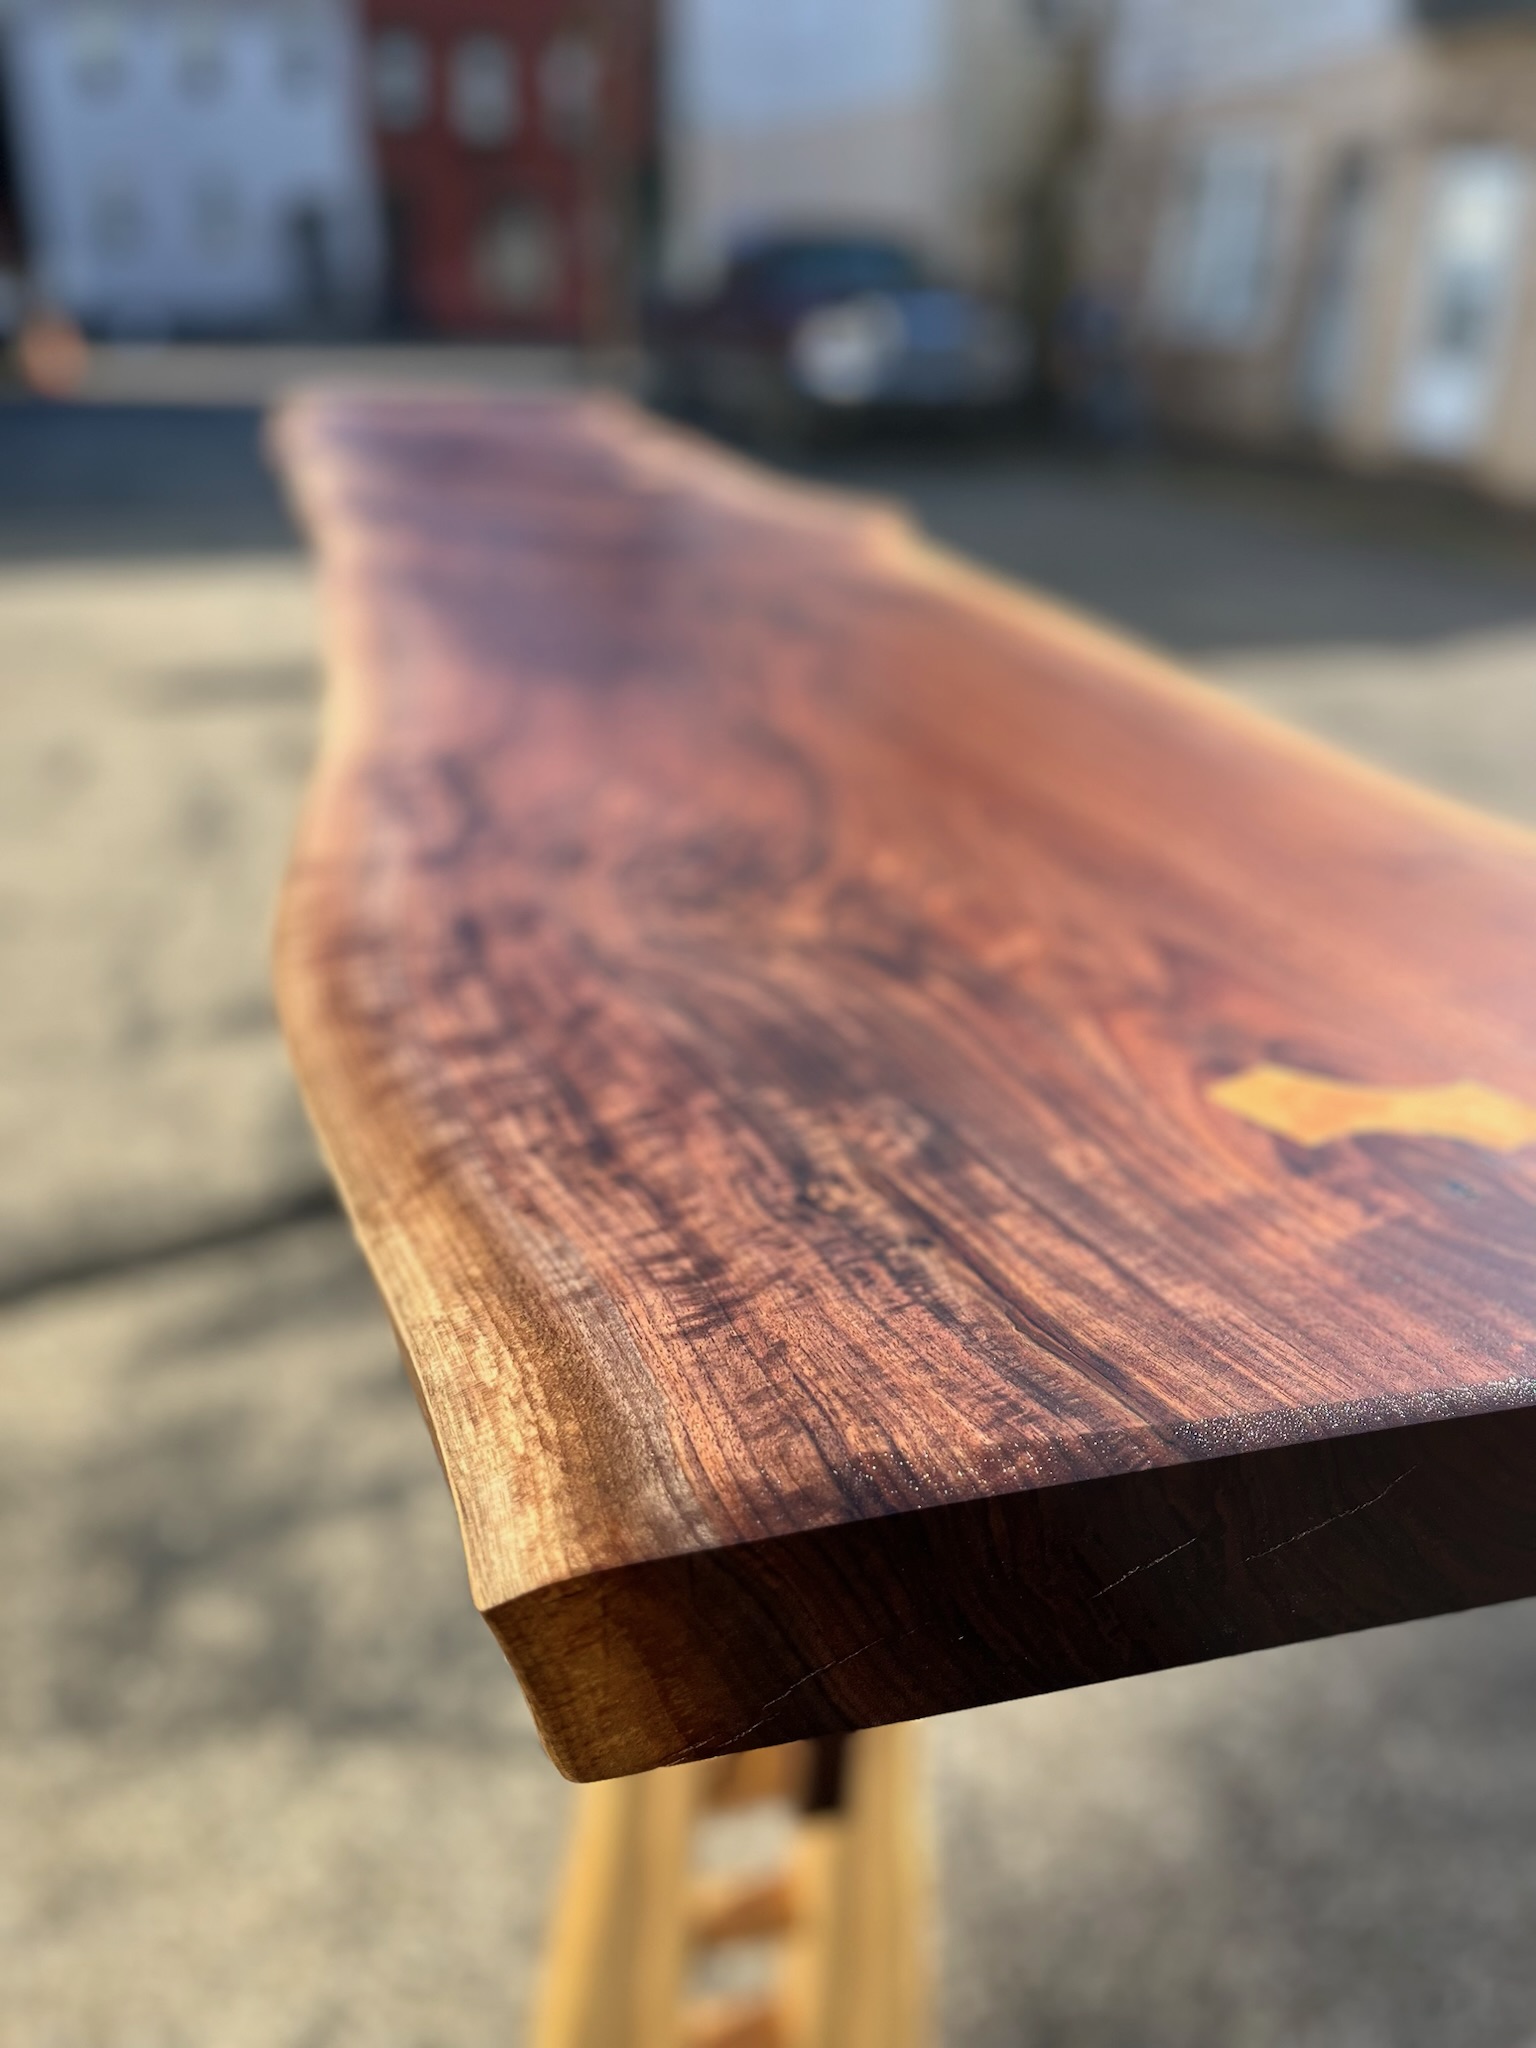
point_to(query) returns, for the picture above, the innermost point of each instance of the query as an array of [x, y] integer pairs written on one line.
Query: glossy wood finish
[[759, 985]]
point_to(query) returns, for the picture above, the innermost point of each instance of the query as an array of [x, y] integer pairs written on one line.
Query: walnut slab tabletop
[[916, 1156]]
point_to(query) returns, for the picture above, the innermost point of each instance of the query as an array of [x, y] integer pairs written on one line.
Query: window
[[218, 218], [199, 55], [482, 91], [1214, 255], [1470, 260], [99, 56], [570, 84], [300, 58], [821, 269], [401, 76], [1471, 237], [517, 257], [115, 223], [1326, 362]]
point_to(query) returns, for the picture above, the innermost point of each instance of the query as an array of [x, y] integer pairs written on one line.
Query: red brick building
[[514, 141]]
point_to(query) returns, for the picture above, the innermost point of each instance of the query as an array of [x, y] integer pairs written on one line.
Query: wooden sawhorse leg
[[847, 1910]]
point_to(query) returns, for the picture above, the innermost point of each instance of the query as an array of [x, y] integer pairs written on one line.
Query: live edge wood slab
[[829, 1059]]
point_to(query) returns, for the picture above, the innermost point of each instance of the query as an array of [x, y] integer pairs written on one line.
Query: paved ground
[[264, 1779]]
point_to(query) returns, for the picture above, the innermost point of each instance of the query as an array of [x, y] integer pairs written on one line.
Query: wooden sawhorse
[[845, 1906]]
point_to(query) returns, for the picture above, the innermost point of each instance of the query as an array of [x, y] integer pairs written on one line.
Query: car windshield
[[818, 270]]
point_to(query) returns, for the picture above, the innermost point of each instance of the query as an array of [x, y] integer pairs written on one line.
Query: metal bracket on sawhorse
[[846, 1909]]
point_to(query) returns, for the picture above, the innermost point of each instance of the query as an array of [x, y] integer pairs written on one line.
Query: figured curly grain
[[761, 986]]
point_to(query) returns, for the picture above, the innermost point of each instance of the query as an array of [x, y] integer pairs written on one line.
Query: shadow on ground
[[122, 482]]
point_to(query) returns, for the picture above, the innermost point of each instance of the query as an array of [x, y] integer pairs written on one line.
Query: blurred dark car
[[807, 329]]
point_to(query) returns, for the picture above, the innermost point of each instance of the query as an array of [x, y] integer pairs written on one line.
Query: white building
[[1167, 53], [923, 118], [192, 164], [1320, 219]]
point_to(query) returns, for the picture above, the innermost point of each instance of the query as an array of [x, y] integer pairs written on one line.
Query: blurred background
[[1216, 317]]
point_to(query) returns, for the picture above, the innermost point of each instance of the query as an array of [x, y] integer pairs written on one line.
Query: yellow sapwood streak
[[1315, 1110]]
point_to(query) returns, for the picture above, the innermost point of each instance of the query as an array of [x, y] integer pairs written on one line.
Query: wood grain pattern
[[759, 983]]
